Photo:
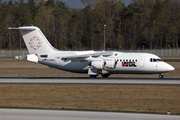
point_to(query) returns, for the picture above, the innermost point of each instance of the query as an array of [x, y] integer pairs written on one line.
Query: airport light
[[104, 37]]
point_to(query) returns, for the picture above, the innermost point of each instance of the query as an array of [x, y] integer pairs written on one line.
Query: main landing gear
[[161, 75], [94, 72], [105, 75], [92, 76]]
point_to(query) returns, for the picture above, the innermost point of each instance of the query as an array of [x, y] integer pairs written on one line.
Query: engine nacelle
[[98, 64], [111, 64]]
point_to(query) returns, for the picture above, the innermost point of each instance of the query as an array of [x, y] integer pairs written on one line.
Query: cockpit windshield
[[160, 60], [156, 60]]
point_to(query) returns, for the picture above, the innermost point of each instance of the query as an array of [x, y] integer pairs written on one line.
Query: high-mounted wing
[[92, 56]]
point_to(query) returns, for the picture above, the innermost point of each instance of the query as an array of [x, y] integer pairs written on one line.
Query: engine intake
[[98, 64]]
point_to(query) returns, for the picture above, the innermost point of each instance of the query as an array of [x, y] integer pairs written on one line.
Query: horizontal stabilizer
[[31, 28]]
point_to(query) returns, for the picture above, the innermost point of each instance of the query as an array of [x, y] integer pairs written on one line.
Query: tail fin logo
[[35, 42]]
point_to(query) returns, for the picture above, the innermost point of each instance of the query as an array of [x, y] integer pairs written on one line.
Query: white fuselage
[[133, 63], [91, 62]]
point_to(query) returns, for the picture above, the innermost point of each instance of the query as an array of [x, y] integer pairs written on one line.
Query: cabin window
[[129, 63], [155, 60]]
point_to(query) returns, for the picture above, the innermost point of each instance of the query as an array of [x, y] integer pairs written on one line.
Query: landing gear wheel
[[161, 76], [105, 75], [92, 76]]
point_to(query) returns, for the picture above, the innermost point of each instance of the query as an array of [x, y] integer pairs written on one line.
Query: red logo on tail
[[35, 42]]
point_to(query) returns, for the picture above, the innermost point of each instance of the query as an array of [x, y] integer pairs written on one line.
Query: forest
[[143, 24]]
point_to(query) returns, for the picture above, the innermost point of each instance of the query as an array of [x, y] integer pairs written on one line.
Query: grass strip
[[129, 98]]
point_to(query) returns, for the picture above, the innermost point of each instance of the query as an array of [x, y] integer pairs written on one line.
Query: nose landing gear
[[161, 75]]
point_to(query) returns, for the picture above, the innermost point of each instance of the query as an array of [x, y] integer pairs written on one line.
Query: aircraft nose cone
[[170, 68]]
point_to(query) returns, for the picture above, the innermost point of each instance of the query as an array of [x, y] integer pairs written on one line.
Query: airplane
[[91, 62]]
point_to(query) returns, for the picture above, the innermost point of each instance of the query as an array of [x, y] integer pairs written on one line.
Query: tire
[[92, 76], [105, 75]]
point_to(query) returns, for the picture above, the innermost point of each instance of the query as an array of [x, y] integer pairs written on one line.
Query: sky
[[78, 4], [75, 3]]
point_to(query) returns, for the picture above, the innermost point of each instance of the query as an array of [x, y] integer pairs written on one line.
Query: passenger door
[[141, 62]]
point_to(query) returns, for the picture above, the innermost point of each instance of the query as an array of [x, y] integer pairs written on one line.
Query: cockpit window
[[159, 60], [155, 60], [151, 59]]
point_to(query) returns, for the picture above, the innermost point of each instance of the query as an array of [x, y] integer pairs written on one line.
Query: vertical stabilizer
[[35, 41]]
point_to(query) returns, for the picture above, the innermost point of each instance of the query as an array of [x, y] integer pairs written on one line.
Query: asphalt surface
[[28, 114], [84, 80]]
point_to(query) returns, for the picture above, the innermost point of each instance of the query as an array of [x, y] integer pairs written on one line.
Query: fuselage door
[[156, 66], [141, 62]]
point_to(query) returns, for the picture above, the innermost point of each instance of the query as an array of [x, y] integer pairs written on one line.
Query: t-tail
[[35, 40]]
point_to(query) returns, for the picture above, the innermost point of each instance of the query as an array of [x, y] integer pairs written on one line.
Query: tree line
[[143, 24]]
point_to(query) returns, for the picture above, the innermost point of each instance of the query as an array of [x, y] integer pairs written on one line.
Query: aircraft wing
[[87, 57]]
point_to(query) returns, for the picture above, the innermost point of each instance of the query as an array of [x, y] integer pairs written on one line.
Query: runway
[[84, 80], [28, 114]]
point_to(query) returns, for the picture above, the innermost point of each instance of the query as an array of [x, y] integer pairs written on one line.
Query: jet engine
[[98, 64], [111, 64]]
